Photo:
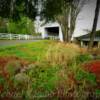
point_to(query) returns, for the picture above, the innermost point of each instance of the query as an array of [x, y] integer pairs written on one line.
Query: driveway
[[14, 42]]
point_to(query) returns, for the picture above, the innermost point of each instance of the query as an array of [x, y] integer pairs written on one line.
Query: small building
[[51, 30], [84, 40]]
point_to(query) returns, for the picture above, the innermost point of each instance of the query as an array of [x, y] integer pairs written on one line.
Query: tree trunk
[[73, 16], [72, 22], [63, 21], [12, 8], [92, 35], [65, 34]]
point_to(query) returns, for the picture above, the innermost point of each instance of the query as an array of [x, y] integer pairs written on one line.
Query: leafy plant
[[84, 58], [24, 26], [82, 75]]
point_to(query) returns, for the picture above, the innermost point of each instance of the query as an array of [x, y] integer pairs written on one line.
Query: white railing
[[18, 36], [53, 37]]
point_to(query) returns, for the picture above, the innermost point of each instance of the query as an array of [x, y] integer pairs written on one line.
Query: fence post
[[26, 37], [10, 36], [19, 36]]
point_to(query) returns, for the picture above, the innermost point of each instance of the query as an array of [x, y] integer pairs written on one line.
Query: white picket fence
[[18, 36]]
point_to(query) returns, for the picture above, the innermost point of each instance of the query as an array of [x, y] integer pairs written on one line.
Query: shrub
[[82, 75], [24, 26], [84, 58], [3, 25], [3, 30]]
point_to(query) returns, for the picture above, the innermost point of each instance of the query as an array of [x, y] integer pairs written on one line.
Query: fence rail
[[18, 36], [53, 37]]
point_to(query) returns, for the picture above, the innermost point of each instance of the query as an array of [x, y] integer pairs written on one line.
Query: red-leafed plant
[[93, 67]]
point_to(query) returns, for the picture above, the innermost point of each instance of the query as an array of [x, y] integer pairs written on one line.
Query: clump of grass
[[12, 67], [62, 54]]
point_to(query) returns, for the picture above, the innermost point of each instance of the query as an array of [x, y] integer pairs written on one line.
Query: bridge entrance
[[52, 31]]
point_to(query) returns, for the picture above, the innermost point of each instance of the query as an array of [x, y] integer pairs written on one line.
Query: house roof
[[86, 37]]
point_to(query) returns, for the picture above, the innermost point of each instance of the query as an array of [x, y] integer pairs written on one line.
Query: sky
[[85, 19]]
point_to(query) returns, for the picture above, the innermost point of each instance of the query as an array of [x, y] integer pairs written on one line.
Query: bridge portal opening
[[52, 31]]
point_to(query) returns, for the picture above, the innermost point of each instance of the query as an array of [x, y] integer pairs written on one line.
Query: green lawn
[[30, 51]]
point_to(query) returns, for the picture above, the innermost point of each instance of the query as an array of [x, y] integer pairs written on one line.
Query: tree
[[92, 34], [3, 25], [75, 8], [4, 8], [14, 9], [64, 12]]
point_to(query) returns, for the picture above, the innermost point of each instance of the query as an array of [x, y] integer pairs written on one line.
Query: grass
[[30, 51], [57, 70]]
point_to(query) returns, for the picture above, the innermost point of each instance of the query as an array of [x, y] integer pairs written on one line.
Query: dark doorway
[[52, 31]]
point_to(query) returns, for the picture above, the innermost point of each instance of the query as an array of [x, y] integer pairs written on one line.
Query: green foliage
[[3, 30], [12, 67], [14, 9], [4, 8], [24, 26], [44, 77], [3, 25], [82, 75], [84, 58], [2, 80], [51, 8], [97, 91], [98, 33]]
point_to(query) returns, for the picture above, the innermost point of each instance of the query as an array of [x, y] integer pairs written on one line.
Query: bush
[[3, 25], [24, 26], [3, 29], [84, 58]]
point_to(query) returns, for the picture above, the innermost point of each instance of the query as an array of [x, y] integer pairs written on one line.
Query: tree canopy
[[65, 12], [15, 8]]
